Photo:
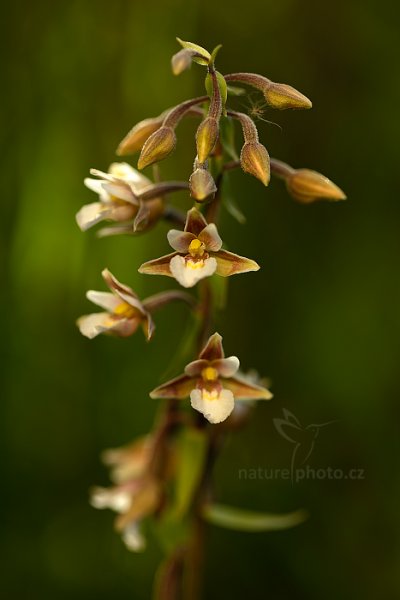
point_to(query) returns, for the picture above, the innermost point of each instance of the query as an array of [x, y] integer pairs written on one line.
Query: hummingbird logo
[[303, 438]]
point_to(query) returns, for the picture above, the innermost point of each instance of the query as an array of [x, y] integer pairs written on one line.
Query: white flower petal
[[215, 406], [95, 185], [121, 170], [118, 500], [189, 272], [90, 214], [226, 367], [211, 238], [133, 538], [104, 299], [124, 171], [120, 190], [92, 325]]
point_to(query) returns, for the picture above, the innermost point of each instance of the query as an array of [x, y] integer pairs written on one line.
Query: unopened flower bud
[[181, 61], [277, 95], [134, 140], [281, 96], [254, 159], [201, 184], [307, 186], [206, 138], [157, 147]]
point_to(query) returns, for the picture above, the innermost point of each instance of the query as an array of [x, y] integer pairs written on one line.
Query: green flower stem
[[168, 581], [195, 548]]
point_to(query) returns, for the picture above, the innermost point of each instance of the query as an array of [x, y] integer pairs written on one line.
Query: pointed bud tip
[[254, 159], [136, 137], [282, 96], [307, 186], [157, 147]]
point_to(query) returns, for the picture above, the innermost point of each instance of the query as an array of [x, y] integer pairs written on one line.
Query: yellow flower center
[[213, 394], [125, 310], [209, 374], [196, 248], [195, 264]]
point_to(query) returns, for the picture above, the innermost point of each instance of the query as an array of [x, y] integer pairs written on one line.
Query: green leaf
[[214, 53], [223, 90], [233, 209], [192, 446], [204, 55], [246, 520], [208, 85]]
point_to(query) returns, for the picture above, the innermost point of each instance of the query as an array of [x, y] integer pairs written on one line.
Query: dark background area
[[321, 319]]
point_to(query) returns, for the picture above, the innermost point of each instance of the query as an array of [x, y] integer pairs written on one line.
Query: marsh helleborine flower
[[136, 494], [125, 312], [197, 254], [212, 384], [118, 198]]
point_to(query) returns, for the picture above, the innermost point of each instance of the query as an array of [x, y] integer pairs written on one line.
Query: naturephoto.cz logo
[[303, 439]]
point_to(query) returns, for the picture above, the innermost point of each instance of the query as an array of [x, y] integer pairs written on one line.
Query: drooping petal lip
[[189, 272], [215, 409]]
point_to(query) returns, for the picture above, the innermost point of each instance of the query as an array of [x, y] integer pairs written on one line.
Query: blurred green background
[[321, 319]]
